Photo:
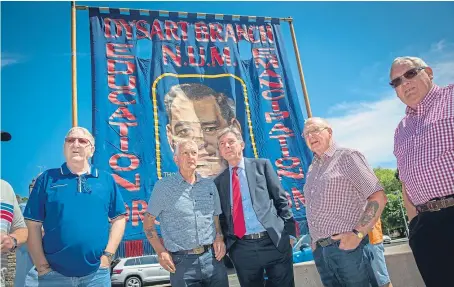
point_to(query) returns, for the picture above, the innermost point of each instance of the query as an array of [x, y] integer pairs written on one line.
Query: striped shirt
[[186, 212], [337, 187], [424, 147], [11, 215]]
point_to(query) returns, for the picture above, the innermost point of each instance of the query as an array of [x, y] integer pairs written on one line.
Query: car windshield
[[303, 239], [148, 260]]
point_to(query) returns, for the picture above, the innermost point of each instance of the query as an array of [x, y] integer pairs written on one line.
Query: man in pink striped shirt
[[424, 148], [344, 200]]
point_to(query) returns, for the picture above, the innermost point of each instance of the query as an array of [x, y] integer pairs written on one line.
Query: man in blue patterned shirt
[[188, 207]]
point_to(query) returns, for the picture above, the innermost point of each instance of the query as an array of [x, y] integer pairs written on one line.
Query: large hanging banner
[[159, 77]]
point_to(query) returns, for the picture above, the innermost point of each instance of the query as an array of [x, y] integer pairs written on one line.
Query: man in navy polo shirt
[[74, 204]]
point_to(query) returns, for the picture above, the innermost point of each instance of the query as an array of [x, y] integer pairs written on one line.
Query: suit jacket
[[268, 200]]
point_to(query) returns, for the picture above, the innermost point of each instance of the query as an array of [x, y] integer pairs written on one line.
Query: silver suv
[[137, 271]]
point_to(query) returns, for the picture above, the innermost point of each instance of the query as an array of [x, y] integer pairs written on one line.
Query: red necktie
[[239, 227]]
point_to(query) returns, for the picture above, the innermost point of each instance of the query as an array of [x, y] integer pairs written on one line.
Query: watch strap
[[358, 233], [108, 254]]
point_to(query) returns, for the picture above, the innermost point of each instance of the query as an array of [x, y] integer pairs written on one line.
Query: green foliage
[[392, 214]]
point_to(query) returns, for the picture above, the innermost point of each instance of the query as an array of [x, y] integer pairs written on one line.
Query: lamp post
[[403, 213]]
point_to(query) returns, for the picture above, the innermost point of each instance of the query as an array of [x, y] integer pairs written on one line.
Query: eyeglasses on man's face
[[82, 141], [410, 74], [315, 131]]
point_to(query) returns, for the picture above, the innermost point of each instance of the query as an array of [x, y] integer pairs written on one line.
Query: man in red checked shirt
[[424, 148]]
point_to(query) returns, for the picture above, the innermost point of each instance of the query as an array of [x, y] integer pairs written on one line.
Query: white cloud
[[369, 126]]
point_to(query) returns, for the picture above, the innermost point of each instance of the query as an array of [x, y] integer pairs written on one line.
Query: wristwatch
[[108, 255], [358, 233], [14, 243]]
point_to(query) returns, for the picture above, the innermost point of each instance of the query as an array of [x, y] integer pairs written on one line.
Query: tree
[[392, 214]]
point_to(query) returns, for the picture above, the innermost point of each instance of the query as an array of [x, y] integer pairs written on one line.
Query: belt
[[255, 235], [198, 250], [436, 204], [325, 242]]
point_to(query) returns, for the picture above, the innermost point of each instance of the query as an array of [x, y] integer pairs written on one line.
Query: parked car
[[386, 239], [138, 271]]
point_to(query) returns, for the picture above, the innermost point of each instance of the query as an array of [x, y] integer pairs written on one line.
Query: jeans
[[100, 278], [376, 255], [198, 270], [343, 268], [23, 265]]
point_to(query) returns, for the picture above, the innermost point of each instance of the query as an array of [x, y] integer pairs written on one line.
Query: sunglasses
[[410, 74], [82, 141]]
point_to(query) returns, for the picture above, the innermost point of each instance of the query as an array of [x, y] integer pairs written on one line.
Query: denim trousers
[[343, 268], [100, 278], [198, 271]]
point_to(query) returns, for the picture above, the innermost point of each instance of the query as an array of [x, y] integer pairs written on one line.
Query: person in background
[[376, 253]]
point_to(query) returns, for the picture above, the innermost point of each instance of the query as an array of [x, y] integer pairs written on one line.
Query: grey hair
[[321, 122], [230, 129], [417, 62], [181, 143], [85, 132]]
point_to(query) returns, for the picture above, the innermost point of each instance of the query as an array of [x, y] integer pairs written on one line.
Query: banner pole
[[74, 63], [300, 69]]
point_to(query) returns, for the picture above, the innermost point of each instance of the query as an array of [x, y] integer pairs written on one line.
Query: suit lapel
[[225, 194], [251, 179]]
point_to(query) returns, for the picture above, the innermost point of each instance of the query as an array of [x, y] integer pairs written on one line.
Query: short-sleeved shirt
[[75, 212], [11, 215], [186, 211], [424, 147], [337, 187]]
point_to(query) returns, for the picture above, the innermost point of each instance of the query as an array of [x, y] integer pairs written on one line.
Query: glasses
[[314, 132], [82, 141], [410, 74]]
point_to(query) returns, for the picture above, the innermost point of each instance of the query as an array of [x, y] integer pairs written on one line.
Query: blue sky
[[346, 49]]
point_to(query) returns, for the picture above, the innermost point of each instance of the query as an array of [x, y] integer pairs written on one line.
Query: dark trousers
[[432, 242], [252, 257], [198, 271], [344, 268]]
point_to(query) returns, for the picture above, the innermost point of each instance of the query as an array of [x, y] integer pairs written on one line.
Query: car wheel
[[133, 282]]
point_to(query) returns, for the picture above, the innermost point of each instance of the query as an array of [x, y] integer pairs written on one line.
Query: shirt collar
[[64, 169], [328, 153], [240, 165], [181, 179], [426, 103]]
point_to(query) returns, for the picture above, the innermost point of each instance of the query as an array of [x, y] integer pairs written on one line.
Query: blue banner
[[160, 77]]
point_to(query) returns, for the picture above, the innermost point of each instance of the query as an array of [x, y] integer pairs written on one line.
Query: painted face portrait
[[197, 112]]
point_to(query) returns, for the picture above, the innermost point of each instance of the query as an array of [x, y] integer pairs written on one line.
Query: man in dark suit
[[256, 219]]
